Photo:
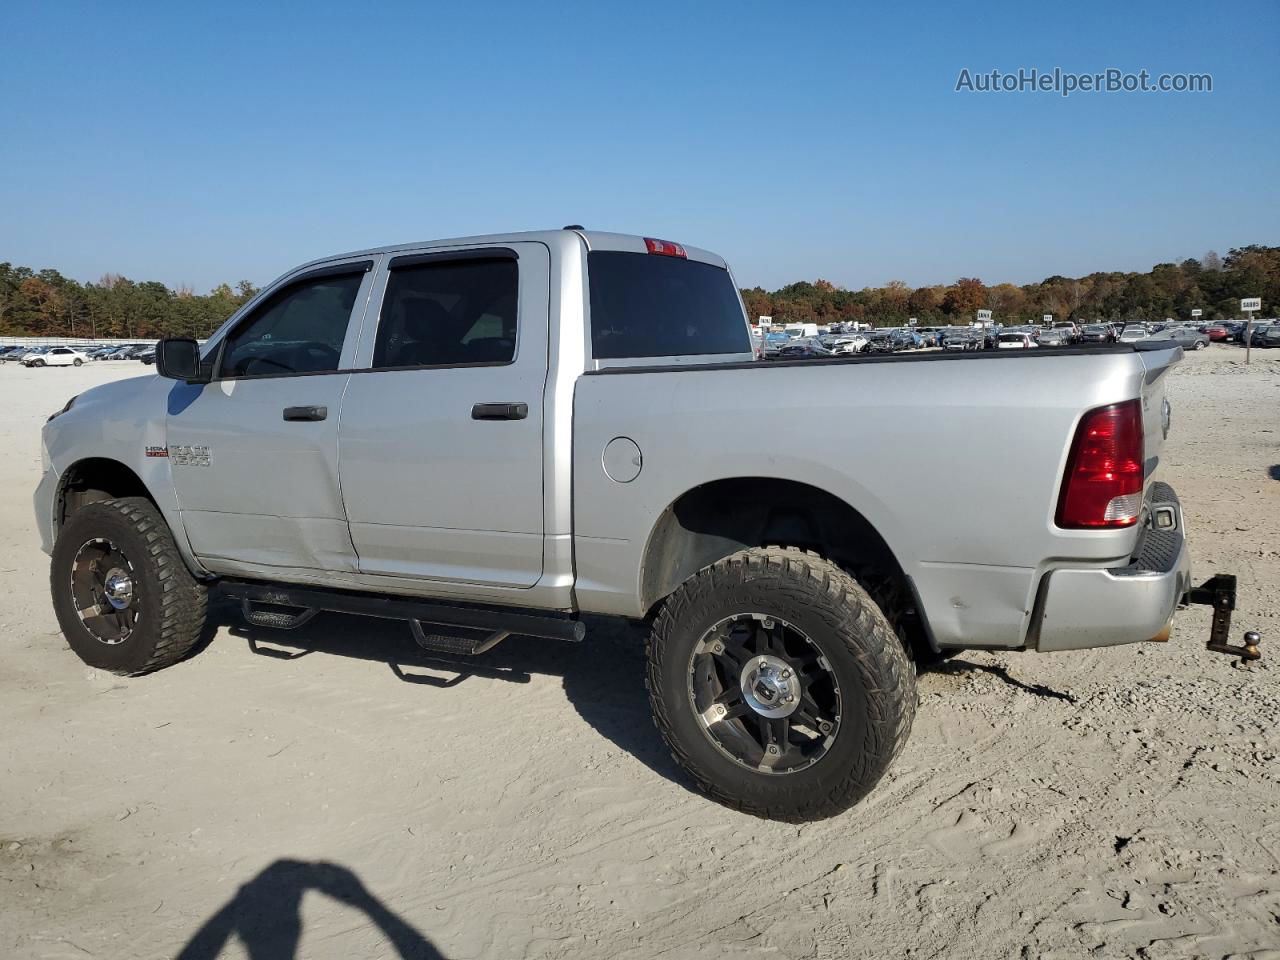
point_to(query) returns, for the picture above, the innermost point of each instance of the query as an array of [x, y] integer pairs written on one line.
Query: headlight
[[58, 413]]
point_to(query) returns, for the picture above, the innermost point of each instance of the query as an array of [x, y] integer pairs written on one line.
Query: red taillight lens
[[665, 248], [1103, 485]]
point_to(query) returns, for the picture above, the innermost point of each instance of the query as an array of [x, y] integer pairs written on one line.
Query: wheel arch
[[92, 479], [721, 517]]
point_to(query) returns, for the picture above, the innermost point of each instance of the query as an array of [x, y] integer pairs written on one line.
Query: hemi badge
[[157, 451]]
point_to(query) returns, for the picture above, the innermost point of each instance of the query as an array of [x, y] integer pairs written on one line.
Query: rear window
[[643, 305]]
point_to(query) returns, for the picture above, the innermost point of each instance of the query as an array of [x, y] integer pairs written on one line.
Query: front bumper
[[43, 501], [1105, 607]]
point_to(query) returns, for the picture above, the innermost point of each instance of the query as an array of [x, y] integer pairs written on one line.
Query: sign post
[[1048, 319], [1250, 306], [1197, 312]]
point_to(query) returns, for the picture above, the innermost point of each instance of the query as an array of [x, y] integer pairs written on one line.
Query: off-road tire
[[875, 673], [172, 603]]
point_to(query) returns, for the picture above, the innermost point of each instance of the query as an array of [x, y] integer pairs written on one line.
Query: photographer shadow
[[264, 915]]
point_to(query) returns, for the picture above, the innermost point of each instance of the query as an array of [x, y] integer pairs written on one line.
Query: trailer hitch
[[1219, 592]]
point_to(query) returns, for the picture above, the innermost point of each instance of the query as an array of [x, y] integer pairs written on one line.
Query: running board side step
[[459, 641], [481, 624], [288, 619]]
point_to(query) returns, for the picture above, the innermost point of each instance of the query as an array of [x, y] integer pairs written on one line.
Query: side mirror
[[178, 358]]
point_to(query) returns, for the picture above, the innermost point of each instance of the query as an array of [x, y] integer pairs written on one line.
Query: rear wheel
[[779, 685], [76, 362], [122, 594]]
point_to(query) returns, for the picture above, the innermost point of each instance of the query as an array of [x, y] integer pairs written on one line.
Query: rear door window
[[644, 305], [448, 313]]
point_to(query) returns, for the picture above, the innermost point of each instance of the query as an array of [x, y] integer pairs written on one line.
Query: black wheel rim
[[104, 590], [764, 693]]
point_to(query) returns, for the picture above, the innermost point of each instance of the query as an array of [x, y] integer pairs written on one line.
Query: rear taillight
[[665, 248], [1103, 485]]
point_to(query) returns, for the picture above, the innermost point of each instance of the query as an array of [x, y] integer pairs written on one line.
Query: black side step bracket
[[474, 627]]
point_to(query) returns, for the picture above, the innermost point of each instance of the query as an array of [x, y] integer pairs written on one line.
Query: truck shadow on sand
[[603, 676], [264, 915], [959, 667]]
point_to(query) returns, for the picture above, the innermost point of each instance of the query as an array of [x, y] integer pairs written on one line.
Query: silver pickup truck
[[495, 435]]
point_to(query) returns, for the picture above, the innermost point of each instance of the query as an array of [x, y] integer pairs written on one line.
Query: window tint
[[448, 313], [299, 330], [644, 305]]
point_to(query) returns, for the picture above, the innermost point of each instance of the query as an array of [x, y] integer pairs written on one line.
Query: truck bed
[[957, 470]]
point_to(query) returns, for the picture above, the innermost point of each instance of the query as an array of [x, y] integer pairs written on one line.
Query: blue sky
[[200, 143]]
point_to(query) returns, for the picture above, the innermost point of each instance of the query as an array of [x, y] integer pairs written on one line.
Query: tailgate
[[1159, 362]]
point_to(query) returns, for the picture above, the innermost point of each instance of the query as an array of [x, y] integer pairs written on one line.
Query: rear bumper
[[1105, 607]]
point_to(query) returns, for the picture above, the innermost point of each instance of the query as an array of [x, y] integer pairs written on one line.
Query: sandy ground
[[337, 794]]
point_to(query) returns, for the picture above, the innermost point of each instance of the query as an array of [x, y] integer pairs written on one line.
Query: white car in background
[[54, 357], [1016, 341], [848, 345], [1133, 333]]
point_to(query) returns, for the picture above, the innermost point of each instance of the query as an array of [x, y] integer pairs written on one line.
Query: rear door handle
[[499, 411], [306, 413]]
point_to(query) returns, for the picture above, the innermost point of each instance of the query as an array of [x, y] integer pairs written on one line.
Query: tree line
[[44, 303], [1212, 284]]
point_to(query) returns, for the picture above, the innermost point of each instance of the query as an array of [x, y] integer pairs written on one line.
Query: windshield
[[643, 305]]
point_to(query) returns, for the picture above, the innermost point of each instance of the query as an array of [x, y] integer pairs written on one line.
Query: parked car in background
[[1186, 337], [843, 346], [54, 357], [1096, 333], [1016, 341], [804, 347], [1132, 333], [1070, 328], [147, 356], [1217, 332], [1054, 337], [961, 339], [11, 353], [1265, 335]]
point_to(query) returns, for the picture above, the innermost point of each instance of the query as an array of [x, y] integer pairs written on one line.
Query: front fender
[[123, 422]]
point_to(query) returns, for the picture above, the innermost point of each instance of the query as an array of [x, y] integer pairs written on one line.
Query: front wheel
[[38, 363], [779, 685], [122, 594]]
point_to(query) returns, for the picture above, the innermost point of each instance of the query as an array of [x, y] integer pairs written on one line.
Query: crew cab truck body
[[497, 434]]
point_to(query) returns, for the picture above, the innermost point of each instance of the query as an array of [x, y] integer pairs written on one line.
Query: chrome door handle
[[306, 413], [499, 411]]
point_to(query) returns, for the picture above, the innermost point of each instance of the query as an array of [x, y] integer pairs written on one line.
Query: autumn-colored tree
[[965, 297]]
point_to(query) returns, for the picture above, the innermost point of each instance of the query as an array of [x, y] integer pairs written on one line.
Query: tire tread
[[852, 614]]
